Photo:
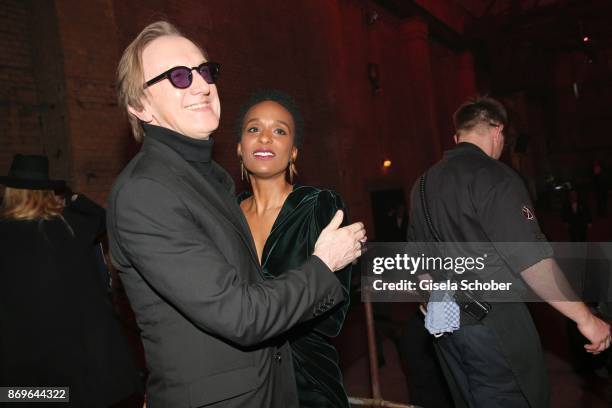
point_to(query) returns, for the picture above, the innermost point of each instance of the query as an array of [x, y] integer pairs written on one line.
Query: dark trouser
[[479, 369], [426, 383]]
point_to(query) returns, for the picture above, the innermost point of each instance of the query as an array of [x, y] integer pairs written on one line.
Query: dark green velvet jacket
[[304, 214]]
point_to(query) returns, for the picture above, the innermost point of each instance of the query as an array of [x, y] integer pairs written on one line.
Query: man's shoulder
[[149, 164], [485, 169], [473, 171], [497, 171], [495, 176]]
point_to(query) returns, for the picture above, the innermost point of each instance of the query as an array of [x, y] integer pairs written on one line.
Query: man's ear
[[456, 138], [499, 137], [143, 114]]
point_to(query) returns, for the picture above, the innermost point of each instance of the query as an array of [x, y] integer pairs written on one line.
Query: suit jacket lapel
[[206, 193]]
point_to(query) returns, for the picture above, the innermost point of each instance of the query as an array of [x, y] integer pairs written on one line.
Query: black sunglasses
[[182, 77]]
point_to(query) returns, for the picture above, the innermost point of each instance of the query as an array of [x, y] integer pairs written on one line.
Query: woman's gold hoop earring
[[292, 171], [244, 174]]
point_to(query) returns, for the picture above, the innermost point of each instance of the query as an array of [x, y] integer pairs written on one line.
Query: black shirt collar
[[190, 149], [464, 147]]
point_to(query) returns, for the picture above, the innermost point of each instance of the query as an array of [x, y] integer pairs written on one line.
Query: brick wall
[[19, 108], [18, 104]]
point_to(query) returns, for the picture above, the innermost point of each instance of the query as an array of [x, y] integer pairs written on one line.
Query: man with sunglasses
[[491, 352], [184, 251]]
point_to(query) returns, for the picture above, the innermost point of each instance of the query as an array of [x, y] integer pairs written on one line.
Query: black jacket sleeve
[[184, 266], [90, 210]]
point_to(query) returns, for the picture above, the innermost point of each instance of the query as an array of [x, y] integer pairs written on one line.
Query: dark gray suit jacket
[[190, 270]]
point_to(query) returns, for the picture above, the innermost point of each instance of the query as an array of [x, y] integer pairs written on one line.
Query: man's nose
[[199, 85]]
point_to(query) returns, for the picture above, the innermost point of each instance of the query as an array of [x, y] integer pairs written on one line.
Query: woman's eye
[[252, 129], [280, 131]]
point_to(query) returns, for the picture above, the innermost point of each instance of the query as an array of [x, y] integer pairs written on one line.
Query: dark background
[[58, 61]]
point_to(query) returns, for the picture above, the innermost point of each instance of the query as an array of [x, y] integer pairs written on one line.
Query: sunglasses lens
[[181, 77], [209, 71]]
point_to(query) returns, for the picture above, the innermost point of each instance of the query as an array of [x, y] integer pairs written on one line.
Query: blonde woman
[[57, 326]]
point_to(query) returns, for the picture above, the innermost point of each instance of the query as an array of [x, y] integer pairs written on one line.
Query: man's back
[[473, 198], [496, 360]]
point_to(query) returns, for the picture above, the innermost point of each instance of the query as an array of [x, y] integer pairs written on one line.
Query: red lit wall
[[316, 50]]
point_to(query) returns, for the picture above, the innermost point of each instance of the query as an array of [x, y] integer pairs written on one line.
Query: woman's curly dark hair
[[282, 99]]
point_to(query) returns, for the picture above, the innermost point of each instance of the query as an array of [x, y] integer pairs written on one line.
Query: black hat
[[31, 172]]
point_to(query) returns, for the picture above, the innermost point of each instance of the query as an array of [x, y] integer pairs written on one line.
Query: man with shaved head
[[491, 352]]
